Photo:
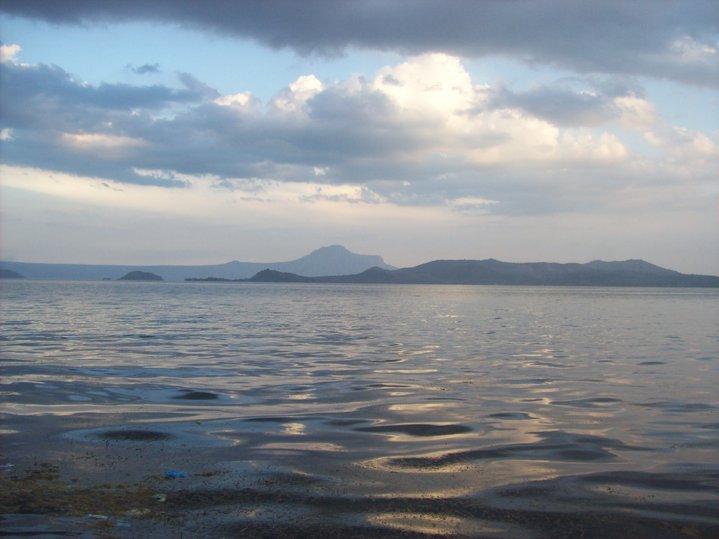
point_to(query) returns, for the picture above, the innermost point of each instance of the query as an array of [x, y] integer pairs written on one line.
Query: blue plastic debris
[[174, 474]]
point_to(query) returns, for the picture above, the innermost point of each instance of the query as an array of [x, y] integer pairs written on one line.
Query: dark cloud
[[44, 104], [658, 38], [144, 69], [47, 96], [559, 104], [44, 150]]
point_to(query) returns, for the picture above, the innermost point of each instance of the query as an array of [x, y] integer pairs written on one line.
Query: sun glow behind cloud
[[99, 143]]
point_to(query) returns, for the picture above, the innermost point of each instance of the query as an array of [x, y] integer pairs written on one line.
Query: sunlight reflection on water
[[475, 387]]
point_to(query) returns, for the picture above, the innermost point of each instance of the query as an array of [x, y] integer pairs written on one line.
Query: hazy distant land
[[332, 260], [335, 264], [10, 274]]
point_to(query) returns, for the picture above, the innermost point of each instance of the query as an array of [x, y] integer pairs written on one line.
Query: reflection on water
[[490, 401]]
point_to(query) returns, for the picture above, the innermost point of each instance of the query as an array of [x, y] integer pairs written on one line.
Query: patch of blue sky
[[94, 54], [686, 106]]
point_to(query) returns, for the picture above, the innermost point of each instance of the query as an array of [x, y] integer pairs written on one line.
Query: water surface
[[439, 410]]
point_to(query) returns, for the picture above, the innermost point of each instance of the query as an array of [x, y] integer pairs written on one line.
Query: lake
[[294, 410]]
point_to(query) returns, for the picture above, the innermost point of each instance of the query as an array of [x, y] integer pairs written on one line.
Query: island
[[140, 276]]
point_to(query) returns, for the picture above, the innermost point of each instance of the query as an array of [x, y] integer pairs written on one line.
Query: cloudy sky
[[176, 131]]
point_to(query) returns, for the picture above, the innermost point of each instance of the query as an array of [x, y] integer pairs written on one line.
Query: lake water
[[298, 410]]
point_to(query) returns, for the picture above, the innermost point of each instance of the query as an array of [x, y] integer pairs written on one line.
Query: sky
[[183, 132]]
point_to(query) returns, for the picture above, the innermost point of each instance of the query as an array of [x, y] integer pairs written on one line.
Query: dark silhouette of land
[[331, 260], [140, 276], [335, 264], [10, 274], [495, 272]]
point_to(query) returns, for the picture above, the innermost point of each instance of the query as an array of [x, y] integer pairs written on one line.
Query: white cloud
[[432, 86], [154, 173], [432, 97], [471, 205], [435, 98], [636, 112], [99, 143], [8, 53], [688, 50], [293, 100], [679, 144], [6, 134], [243, 101]]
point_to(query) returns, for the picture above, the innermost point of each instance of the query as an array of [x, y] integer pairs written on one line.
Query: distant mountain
[[332, 260], [140, 276], [495, 272], [9, 274]]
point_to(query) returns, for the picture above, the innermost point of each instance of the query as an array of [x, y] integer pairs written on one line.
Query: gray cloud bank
[[672, 39], [349, 132]]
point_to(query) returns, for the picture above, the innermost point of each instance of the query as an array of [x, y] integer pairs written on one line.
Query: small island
[[10, 274], [140, 276]]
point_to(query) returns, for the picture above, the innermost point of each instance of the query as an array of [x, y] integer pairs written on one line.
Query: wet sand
[[99, 476]]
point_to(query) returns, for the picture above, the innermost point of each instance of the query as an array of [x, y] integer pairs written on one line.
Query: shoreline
[[122, 488]]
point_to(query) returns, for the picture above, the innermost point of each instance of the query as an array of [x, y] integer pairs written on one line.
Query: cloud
[[64, 124], [50, 216], [418, 133], [471, 205], [40, 95], [560, 104], [99, 144], [293, 99], [8, 53], [242, 101], [684, 147], [672, 39], [144, 69]]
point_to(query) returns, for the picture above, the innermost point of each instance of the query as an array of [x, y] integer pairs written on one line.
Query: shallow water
[[465, 410]]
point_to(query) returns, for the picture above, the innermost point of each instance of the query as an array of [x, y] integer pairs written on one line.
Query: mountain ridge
[[336, 264], [495, 272]]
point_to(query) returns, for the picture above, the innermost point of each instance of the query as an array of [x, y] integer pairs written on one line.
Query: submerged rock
[[136, 435], [197, 396]]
